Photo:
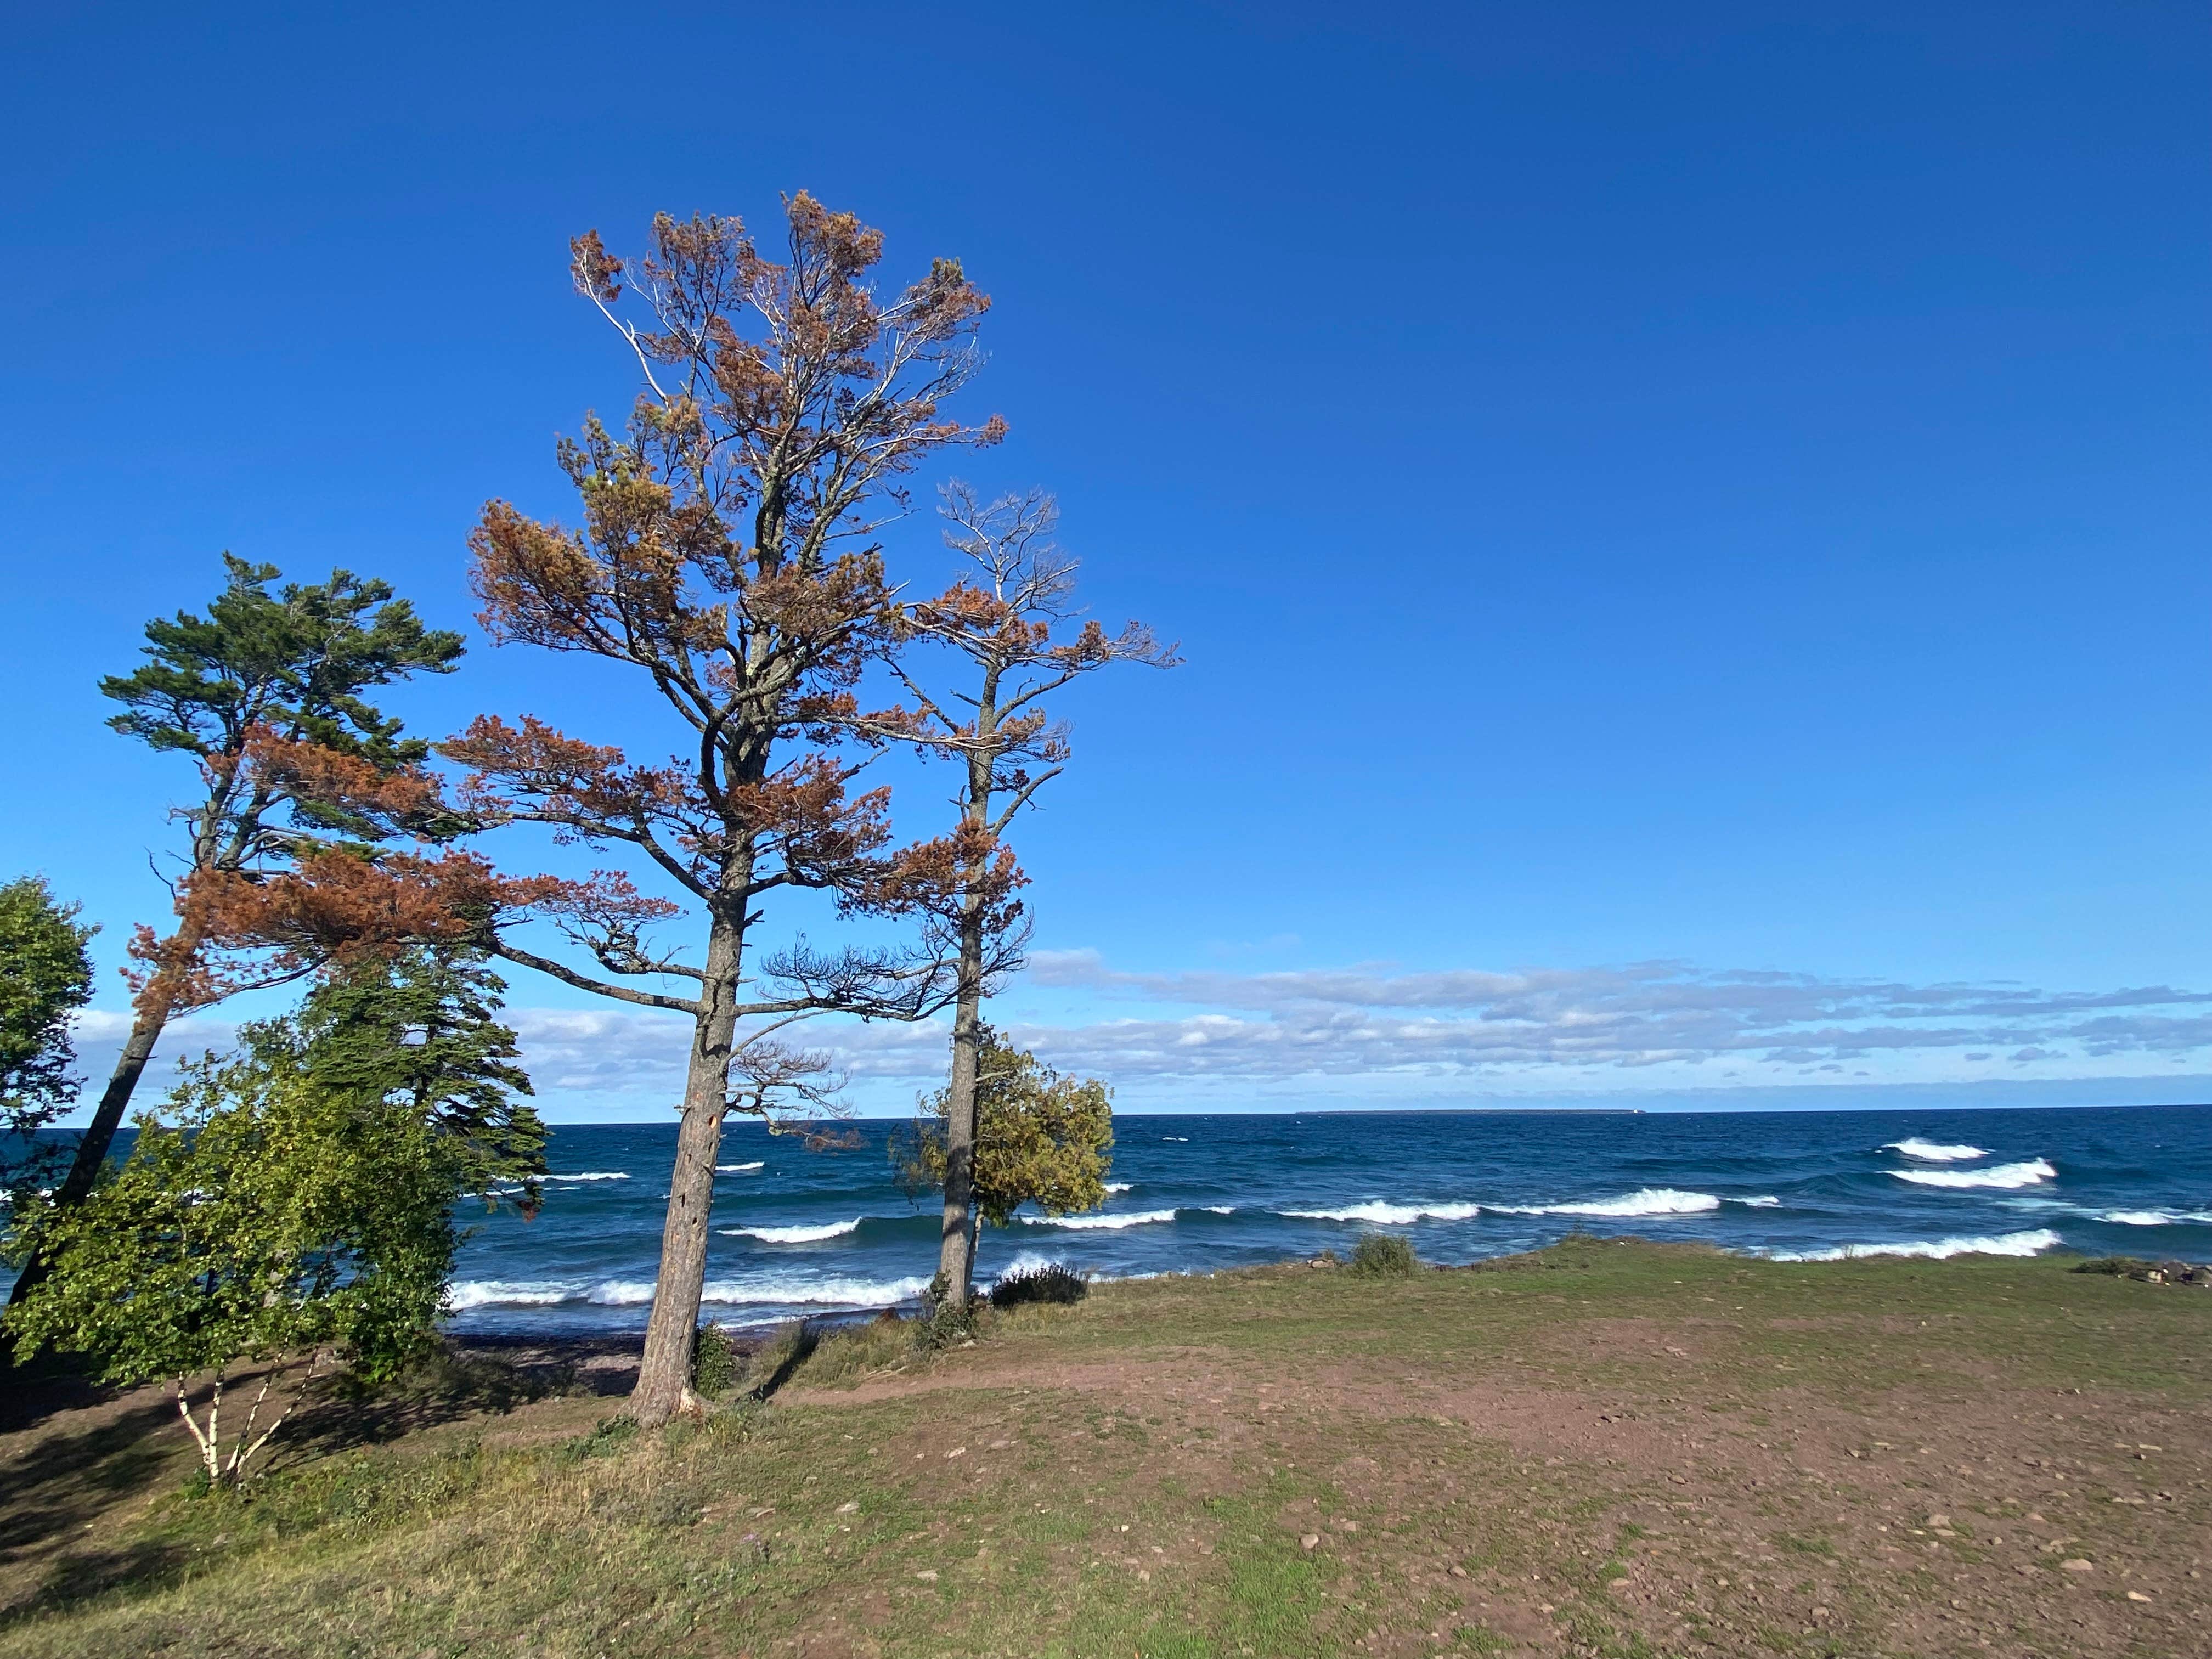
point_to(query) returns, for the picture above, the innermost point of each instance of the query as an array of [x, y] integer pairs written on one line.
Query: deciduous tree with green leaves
[[265, 1219], [45, 976], [1040, 1138]]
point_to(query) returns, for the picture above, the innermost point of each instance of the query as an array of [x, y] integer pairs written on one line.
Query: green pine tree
[[421, 1030]]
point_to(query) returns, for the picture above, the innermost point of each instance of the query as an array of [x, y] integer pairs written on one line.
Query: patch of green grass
[[1113, 1478], [1805, 1546]]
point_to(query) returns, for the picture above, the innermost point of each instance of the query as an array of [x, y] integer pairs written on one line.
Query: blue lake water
[[799, 1231]]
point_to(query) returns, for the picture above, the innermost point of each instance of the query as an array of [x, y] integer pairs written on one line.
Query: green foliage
[[296, 660], [272, 1214], [1041, 1137], [1054, 1282], [1380, 1255], [947, 1325], [298, 1193], [608, 1437], [942, 1322], [45, 976], [716, 1365], [421, 1030]]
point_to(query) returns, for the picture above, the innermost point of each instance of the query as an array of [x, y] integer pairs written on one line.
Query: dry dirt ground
[[1607, 1449]]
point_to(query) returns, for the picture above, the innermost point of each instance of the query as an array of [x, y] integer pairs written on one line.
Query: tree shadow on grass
[[60, 1487], [42, 1387]]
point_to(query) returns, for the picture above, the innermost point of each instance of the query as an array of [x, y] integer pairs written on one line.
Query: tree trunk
[[100, 1135], [956, 1258], [663, 1376]]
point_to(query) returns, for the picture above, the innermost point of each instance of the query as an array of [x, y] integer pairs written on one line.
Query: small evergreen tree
[[1041, 1137], [45, 976], [421, 1028]]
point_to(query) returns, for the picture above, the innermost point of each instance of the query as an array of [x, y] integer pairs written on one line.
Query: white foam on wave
[[591, 1174], [1383, 1214], [2005, 1177], [1025, 1261], [1933, 1152], [737, 1169], [1087, 1223], [2028, 1243], [1759, 1203], [496, 1293], [820, 1292], [1221, 1209], [1119, 1186], [627, 1293], [798, 1233], [2153, 1217], [1645, 1202]]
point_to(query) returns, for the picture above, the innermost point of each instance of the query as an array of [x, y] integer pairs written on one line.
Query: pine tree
[[421, 1028]]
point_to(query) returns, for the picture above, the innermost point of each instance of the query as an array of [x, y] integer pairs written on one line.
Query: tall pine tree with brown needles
[[725, 552], [1011, 618]]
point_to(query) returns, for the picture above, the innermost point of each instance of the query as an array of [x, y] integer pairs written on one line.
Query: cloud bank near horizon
[[1410, 1037]]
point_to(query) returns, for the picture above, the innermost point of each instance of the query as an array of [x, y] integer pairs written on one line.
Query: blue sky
[[1718, 487]]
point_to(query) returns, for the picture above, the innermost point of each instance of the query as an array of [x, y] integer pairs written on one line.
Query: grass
[[1615, 1449], [1383, 1255]]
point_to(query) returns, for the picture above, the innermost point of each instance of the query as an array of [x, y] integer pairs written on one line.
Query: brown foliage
[[334, 908], [723, 548]]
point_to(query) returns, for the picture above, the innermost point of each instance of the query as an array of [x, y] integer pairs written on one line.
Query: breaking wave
[[2028, 1243], [2029, 1173], [821, 1292], [737, 1169], [2153, 1218], [628, 1293], [1119, 1186], [801, 1233], [591, 1175], [1933, 1152], [491, 1293], [1385, 1214], [1088, 1223], [1645, 1201]]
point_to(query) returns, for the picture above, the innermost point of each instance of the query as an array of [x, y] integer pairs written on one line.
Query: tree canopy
[[1041, 1137], [45, 976], [264, 1218], [294, 662]]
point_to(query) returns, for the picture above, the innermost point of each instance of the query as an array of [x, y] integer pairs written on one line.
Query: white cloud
[[1597, 1031]]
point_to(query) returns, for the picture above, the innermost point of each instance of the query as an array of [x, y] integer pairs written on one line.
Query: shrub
[[1378, 1255], [716, 1363], [2119, 1266], [1054, 1282], [945, 1324]]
